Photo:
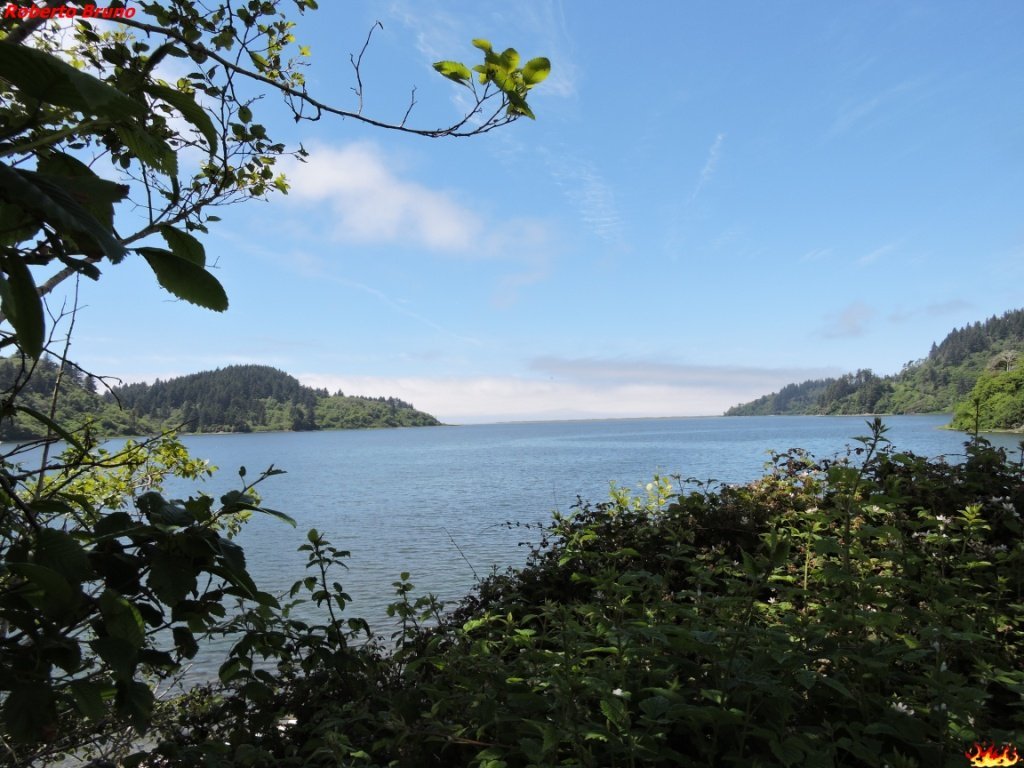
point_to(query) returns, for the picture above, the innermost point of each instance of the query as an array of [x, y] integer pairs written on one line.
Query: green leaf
[[245, 114], [90, 697], [16, 226], [60, 551], [186, 280], [23, 307], [149, 149], [186, 104], [43, 588], [184, 245], [44, 77], [56, 428], [536, 71], [30, 713], [48, 202], [78, 180], [615, 711], [135, 700], [171, 578], [122, 619], [517, 105], [120, 655], [483, 45], [185, 642], [510, 58], [160, 511], [453, 70]]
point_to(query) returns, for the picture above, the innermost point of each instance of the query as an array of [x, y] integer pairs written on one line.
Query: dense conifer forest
[[938, 383], [237, 398]]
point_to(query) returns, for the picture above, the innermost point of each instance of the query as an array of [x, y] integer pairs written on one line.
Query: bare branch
[[412, 103], [358, 62]]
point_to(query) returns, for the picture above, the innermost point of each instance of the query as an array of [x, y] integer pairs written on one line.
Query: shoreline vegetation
[[860, 610]]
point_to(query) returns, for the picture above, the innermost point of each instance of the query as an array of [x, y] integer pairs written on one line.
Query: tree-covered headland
[[860, 610], [236, 398], [944, 381]]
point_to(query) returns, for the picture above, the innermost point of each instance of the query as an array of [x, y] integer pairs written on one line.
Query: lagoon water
[[435, 501]]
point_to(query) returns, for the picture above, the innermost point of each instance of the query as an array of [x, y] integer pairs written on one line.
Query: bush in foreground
[[861, 611]]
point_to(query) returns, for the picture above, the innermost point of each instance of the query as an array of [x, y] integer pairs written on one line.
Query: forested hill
[[246, 398], [937, 383], [238, 398]]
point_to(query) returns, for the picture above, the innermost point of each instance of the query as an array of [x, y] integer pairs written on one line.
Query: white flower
[[618, 692], [899, 706]]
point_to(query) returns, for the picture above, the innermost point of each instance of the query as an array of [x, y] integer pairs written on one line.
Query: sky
[[716, 199]]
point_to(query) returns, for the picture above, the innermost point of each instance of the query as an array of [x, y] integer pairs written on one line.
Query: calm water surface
[[401, 500]]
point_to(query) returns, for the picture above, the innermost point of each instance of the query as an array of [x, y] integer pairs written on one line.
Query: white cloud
[[582, 389], [371, 204]]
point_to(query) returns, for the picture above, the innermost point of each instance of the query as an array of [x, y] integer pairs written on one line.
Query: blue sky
[[715, 199]]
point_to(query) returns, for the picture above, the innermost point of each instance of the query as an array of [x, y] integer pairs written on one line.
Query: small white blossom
[[899, 706], [618, 692]]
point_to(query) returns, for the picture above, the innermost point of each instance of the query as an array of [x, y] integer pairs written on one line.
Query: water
[[434, 501], [411, 499]]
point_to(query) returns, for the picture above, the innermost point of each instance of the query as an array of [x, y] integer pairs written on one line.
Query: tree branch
[[454, 130]]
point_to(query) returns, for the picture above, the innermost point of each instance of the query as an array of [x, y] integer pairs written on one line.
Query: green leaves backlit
[[503, 70]]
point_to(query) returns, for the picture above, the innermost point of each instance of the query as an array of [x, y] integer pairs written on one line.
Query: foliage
[[995, 403], [79, 408], [934, 384], [858, 611], [106, 586]]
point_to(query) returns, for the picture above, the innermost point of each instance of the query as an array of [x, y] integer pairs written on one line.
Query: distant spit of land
[[237, 398]]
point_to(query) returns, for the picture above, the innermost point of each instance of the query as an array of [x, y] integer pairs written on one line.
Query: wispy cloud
[[869, 111], [710, 164], [877, 253], [849, 322], [816, 254], [936, 309], [592, 196]]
